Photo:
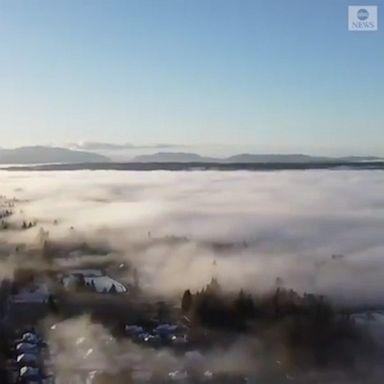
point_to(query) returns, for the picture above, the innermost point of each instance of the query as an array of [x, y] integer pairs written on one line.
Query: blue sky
[[232, 75]]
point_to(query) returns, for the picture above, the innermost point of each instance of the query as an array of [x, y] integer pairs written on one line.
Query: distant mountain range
[[50, 155], [184, 157], [45, 155], [174, 157]]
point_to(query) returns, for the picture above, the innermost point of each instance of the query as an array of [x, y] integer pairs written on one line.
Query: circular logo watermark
[[362, 14], [362, 18]]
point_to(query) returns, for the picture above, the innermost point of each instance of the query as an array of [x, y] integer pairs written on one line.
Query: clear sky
[[262, 75]]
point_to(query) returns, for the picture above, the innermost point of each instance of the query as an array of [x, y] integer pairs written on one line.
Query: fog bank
[[248, 228]]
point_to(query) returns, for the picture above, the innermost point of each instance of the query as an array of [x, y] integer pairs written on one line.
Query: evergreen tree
[[186, 301], [52, 304]]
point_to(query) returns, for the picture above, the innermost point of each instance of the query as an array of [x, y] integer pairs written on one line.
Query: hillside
[[44, 155]]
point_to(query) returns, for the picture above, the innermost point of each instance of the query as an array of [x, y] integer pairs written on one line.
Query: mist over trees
[[291, 257]]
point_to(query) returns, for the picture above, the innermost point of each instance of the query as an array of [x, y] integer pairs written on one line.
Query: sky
[[219, 76]]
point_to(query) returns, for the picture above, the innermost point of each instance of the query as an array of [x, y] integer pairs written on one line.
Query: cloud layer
[[256, 225], [102, 146]]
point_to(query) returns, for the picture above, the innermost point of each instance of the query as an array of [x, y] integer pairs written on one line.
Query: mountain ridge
[[39, 154], [247, 158], [43, 155]]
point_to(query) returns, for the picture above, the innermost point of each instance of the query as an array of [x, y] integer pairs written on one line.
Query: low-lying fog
[[246, 227]]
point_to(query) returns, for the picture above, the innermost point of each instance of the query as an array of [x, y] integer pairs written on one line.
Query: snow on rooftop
[[94, 277], [28, 371], [26, 358], [105, 283]]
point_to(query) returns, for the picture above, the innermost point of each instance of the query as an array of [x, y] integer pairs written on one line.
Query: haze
[[270, 224]]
